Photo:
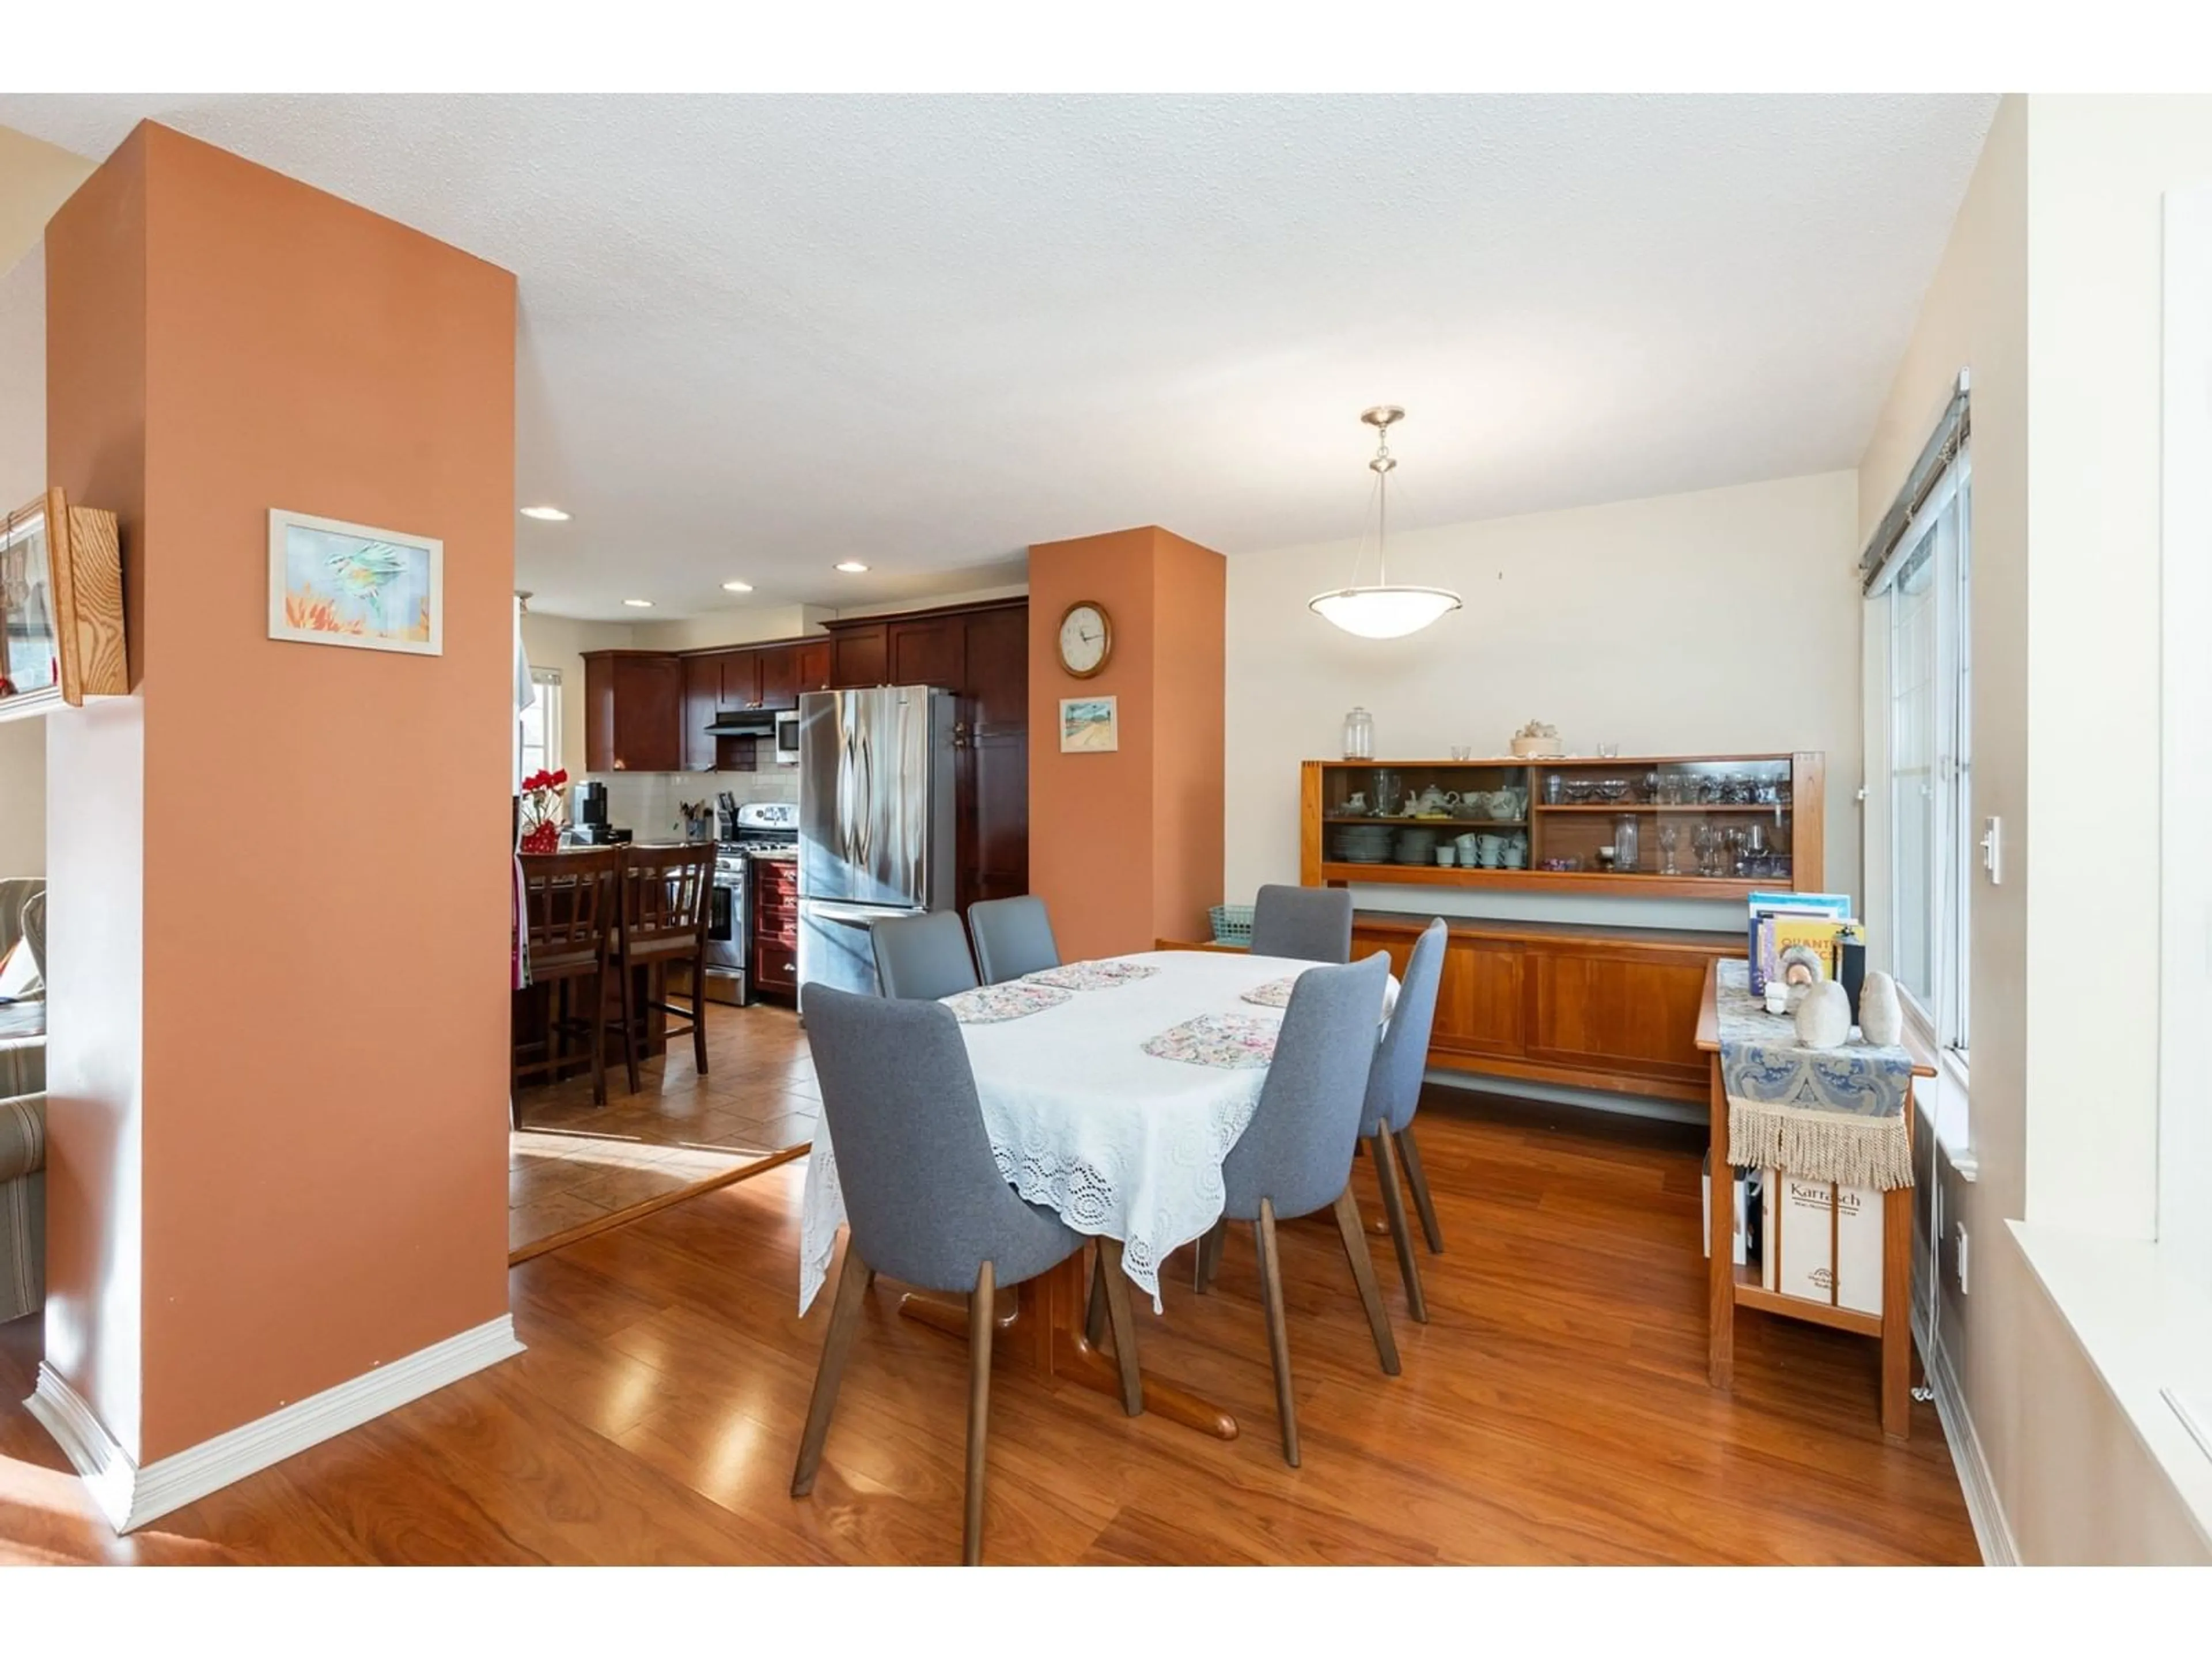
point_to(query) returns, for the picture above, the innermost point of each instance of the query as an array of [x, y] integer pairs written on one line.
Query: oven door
[[725, 905]]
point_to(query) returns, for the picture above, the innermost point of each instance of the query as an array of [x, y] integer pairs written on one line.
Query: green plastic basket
[[1233, 924]]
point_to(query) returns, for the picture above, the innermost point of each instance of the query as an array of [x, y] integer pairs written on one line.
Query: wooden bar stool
[[664, 891], [570, 907]]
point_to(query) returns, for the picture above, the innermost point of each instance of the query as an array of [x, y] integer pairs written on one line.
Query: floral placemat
[[1236, 1042], [1091, 975], [989, 1004], [1275, 994]]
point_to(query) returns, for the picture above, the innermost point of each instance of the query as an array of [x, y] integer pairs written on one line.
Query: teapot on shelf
[[1434, 803]]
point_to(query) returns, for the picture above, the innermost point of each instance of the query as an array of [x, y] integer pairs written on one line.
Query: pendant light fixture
[[1383, 612]]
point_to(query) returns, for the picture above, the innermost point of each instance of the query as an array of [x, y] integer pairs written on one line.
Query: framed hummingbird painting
[[334, 583]]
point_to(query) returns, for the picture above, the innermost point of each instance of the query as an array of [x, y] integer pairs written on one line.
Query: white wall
[[785, 621], [23, 476], [2098, 170], [2047, 294], [1721, 622]]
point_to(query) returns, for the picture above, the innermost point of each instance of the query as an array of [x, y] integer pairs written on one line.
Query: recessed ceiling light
[[639, 604], [851, 567], [550, 515], [737, 588]]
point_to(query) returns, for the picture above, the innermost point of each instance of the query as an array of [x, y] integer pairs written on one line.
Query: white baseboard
[[1992, 1533], [130, 1496]]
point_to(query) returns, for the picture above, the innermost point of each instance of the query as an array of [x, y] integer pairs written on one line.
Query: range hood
[[743, 723]]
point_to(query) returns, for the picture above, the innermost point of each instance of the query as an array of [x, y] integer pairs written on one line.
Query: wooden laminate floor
[[1555, 1410], [574, 1163]]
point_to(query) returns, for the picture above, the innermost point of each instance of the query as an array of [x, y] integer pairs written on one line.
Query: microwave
[[786, 738]]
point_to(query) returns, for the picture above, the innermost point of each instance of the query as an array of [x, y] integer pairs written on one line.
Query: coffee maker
[[588, 807]]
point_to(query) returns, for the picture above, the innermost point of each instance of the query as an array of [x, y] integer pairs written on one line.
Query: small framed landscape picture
[[1090, 725], [334, 583]]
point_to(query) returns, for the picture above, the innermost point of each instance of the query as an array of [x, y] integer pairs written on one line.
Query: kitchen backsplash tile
[[646, 804]]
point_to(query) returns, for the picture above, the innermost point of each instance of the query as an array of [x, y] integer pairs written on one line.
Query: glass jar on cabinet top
[[1359, 735]]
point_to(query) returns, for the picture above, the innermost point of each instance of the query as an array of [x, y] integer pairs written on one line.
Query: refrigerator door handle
[[861, 914]]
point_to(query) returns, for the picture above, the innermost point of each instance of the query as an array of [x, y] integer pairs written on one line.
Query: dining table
[[1111, 1091]]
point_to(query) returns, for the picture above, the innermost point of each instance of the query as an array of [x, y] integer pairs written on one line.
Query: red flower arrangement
[[541, 811]]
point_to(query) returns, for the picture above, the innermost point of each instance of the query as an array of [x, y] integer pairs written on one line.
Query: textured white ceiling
[[760, 335]]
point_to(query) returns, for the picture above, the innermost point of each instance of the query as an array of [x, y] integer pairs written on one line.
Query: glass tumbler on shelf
[[1359, 735], [1623, 841]]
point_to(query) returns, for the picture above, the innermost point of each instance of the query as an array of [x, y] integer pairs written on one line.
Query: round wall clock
[[1086, 639]]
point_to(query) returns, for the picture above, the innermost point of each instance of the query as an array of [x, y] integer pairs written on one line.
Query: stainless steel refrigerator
[[875, 823]]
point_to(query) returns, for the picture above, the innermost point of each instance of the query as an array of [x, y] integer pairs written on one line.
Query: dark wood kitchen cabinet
[[633, 711], [775, 966], [859, 655], [930, 651], [811, 664], [702, 699], [981, 653], [741, 678]]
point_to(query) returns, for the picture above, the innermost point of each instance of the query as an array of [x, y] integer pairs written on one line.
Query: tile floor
[[572, 1161]]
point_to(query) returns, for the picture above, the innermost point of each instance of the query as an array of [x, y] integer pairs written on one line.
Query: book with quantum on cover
[[1822, 922]]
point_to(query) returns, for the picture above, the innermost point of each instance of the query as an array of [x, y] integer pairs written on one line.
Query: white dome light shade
[[1384, 613]]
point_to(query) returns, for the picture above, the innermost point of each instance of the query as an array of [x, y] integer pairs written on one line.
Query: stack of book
[[1822, 922]]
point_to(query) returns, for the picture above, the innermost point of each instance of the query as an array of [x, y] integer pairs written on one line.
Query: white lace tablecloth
[[1084, 1121]]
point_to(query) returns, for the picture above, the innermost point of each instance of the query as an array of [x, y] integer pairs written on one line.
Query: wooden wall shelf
[[61, 607]]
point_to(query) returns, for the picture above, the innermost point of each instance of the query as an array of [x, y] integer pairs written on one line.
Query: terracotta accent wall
[[1127, 846], [321, 1009], [1190, 596]]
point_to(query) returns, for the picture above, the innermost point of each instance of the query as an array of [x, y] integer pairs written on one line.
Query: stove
[[764, 828]]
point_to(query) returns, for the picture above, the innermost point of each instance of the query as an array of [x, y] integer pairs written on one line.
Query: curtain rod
[[1944, 443]]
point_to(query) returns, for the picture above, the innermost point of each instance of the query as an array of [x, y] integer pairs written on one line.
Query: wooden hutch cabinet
[[1597, 1007]]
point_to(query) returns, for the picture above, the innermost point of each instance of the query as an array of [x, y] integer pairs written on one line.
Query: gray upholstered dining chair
[[925, 1203], [1394, 1091], [921, 959], [1311, 923], [1013, 937], [1295, 1155]]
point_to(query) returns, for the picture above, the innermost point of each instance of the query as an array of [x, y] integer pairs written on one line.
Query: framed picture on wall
[[334, 583], [1090, 725]]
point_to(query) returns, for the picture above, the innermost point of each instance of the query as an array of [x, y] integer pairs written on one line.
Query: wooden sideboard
[[1613, 1008], [1554, 1002]]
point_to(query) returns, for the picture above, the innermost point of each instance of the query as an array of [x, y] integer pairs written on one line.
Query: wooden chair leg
[[1423, 1203], [599, 1025], [1401, 1232], [699, 1013], [844, 1319], [1109, 1275], [1094, 1309], [633, 1020], [1209, 1256], [981, 1322], [1363, 1273], [1278, 1338]]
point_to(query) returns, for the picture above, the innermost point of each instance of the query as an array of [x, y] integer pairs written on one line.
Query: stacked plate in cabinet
[[1415, 847], [1363, 843]]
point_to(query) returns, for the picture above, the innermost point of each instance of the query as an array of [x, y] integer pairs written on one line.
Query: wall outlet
[[1959, 1255]]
